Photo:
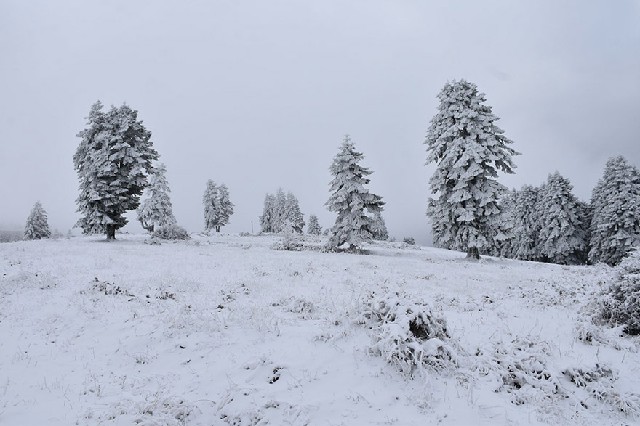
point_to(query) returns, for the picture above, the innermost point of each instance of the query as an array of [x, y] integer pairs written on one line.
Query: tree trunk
[[217, 228], [473, 253], [111, 232]]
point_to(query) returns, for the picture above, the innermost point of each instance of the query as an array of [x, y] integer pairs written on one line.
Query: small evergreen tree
[[225, 207], [112, 161], [211, 206], [351, 200], [502, 226], [526, 224], [156, 210], [378, 227], [615, 202], [562, 233], [293, 215], [37, 226], [469, 150], [268, 213], [314, 226]]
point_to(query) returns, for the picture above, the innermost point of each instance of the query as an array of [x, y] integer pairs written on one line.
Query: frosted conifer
[[378, 227], [225, 207], [615, 202], [562, 237], [469, 150], [526, 224], [211, 206], [113, 160], [268, 213], [314, 226], [293, 215], [156, 210], [37, 226], [350, 200]]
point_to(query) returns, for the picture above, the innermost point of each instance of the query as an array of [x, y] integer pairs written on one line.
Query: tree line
[[469, 209]]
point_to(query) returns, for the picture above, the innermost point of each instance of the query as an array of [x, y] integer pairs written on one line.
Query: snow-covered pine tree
[[280, 211], [526, 223], [293, 215], [211, 206], [379, 227], [501, 227], [350, 200], [37, 226], [113, 160], [313, 228], [156, 209], [562, 237], [225, 207], [615, 202], [268, 213], [469, 150]]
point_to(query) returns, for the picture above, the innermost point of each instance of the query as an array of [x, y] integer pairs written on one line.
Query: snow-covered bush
[[290, 241], [406, 334], [171, 232], [621, 302], [523, 371], [409, 240]]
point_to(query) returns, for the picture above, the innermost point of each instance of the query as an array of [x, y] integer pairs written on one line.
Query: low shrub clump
[[406, 334], [171, 232]]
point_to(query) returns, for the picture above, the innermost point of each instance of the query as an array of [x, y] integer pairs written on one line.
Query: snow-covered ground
[[225, 330]]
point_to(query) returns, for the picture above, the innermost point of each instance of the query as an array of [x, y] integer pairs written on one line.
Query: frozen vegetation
[[224, 330]]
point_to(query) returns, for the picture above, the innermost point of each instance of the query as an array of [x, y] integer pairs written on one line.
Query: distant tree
[[113, 161], [218, 208], [156, 210], [314, 226], [293, 215], [281, 211], [211, 206], [268, 213], [526, 224], [378, 227], [562, 237], [501, 227], [225, 207], [615, 202], [37, 226], [351, 200], [469, 150]]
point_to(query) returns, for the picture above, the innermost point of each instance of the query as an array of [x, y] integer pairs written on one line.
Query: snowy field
[[225, 330]]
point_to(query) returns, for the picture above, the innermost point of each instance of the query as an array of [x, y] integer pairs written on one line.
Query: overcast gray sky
[[258, 94]]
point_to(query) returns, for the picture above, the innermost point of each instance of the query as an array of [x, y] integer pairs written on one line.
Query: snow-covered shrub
[[290, 241], [406, 334], [621, 302], [171, 232], [524, 372], [598, 383], [409, 240]]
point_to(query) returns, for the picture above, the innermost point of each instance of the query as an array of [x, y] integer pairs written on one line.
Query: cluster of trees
[[281, 213], [218, 208], [476, 214], [115, 162]]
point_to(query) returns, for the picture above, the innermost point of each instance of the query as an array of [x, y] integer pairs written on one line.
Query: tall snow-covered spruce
[[37, 226], [615, 224], [353, 203], [469, 150], [156, 210], [113, 161], [281, 213]]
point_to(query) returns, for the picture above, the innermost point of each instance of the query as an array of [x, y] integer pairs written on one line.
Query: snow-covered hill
[[225, 330]]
